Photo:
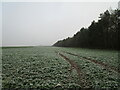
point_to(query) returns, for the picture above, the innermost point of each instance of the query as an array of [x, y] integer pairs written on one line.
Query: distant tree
[[102, 34]]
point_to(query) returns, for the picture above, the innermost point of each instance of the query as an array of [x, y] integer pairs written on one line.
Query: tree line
[[103, 34]]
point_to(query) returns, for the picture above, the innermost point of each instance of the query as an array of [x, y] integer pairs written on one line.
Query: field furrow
[[96, 62], [82, 79]]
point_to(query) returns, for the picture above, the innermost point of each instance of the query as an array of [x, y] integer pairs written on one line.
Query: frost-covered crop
[[44, 68]]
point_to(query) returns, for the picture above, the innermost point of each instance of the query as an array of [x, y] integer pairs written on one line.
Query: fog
[[44, 23]]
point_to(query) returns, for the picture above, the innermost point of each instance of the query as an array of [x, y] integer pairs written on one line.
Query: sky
[[0, 25], [44, 23]]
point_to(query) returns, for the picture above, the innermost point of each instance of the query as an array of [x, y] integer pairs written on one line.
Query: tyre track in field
[[82, 79], [95, 61]]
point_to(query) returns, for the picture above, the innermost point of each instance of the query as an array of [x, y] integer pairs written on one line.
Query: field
[[59, 68]]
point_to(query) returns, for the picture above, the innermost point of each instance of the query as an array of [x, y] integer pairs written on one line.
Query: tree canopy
[[105, 33]]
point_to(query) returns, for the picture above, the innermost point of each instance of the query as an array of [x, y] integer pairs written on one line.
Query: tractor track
[[95, 61], [82, 79]]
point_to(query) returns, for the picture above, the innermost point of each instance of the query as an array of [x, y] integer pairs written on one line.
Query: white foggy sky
[[44, 23], [0, 24]]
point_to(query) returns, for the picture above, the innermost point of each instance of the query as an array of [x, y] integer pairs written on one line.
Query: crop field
[[59, 68]]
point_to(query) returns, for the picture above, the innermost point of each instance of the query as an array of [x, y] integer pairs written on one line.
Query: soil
[[96, 62], [82, 79]]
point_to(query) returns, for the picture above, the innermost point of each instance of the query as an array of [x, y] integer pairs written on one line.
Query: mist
[[44, 23]]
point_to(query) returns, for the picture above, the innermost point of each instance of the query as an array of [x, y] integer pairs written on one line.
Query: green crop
[[43, 67]]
